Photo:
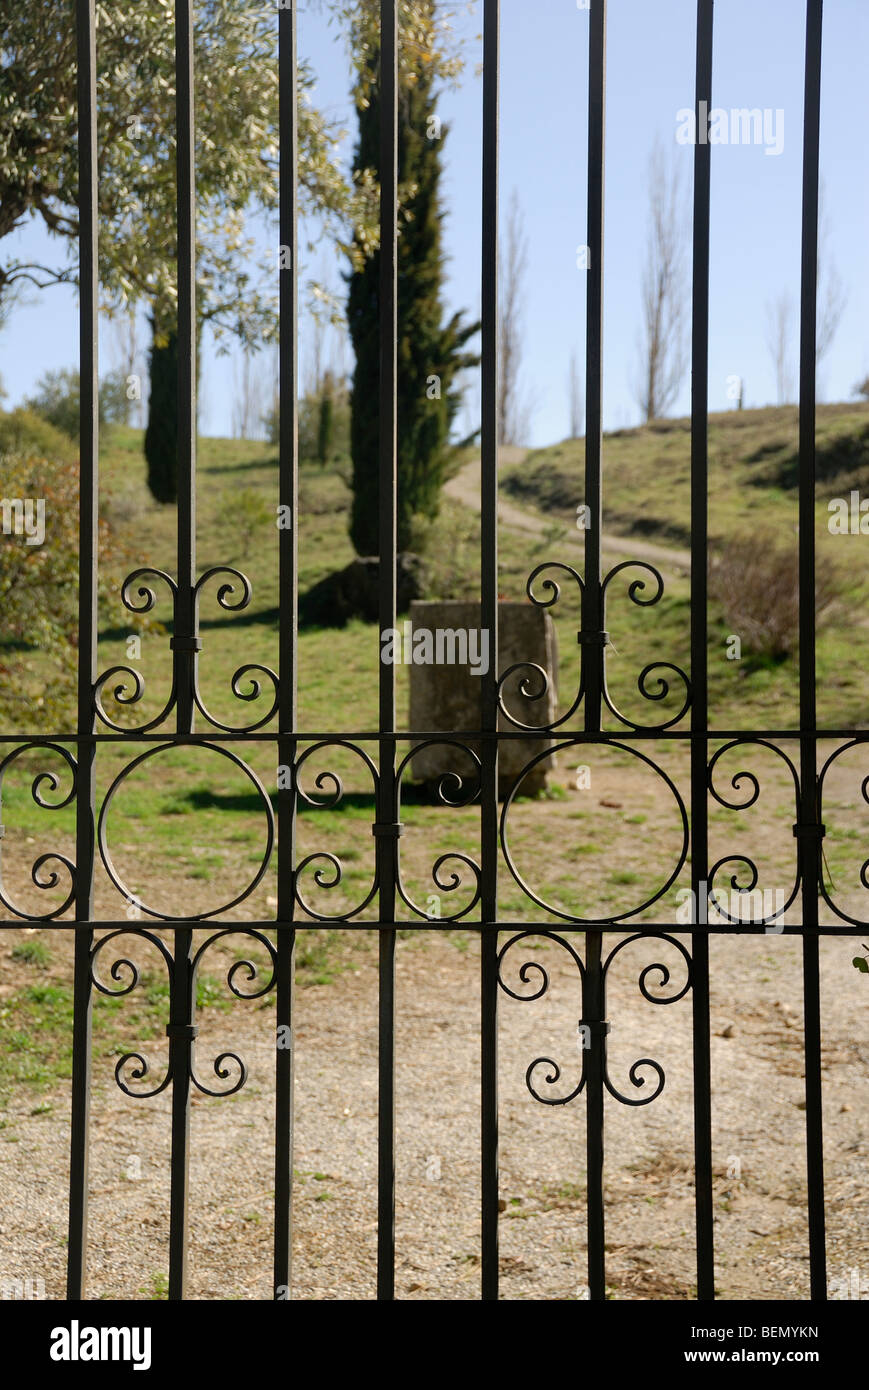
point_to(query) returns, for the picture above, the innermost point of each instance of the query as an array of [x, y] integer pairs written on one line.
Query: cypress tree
[[430, 353], [324, 421], [161, 434]]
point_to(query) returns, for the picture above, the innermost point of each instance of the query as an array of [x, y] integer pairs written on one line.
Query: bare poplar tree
[[831, 290], [664, 337], [782, 320], [779, 338], [575, 397], [315, 372], [248, 405], [125, 342], [513, 411]]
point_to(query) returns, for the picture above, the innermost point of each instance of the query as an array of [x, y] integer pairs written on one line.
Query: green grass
[[158, 1289], [32, 953]]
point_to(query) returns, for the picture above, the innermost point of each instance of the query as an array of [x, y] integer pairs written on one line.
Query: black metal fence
[[583, 725]]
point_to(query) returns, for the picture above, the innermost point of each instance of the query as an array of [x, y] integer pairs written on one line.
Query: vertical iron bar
[[386, 846], [87, 643], [593, 1019], [287, 588], [699, 675], [489, 691], [181, 1033], [592, 636], [809, 839], [184, 641]]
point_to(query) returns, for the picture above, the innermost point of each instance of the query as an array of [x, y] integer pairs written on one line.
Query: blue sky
[[650, 75]]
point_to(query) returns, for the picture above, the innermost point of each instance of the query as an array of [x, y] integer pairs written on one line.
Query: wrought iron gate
[[593, 719]]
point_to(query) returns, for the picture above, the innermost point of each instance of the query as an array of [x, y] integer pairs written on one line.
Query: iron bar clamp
[[809, 836], [186, 647], [591, 1030]]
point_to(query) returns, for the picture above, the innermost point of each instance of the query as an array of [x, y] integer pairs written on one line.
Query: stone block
[[445, 694]]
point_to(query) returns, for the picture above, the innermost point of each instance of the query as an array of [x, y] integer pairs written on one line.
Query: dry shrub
[[756, 581]]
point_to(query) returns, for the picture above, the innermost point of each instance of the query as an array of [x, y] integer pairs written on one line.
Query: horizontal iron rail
[[565, 735], [460, 924]]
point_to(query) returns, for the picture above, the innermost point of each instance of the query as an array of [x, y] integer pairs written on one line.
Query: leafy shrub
[[244, 512], [58, 400], [115, 405], [324, 435], [24, 433]]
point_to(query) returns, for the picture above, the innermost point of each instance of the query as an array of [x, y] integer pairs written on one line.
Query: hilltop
[[753, 472]]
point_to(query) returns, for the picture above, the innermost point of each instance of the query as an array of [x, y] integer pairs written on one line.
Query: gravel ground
[[760, 1221]]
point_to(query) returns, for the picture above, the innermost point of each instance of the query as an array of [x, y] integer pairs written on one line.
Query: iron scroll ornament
[[534, 684], [148, 601], [131, 687], [527, 970], [635, 590], [864, 868], [329, 872], [134, 1066], [45, 781], [250, 670], [122, 966], [465, 792], [761, 919], [221, 1071], [597, 1031], [454, 790], [652, 682]]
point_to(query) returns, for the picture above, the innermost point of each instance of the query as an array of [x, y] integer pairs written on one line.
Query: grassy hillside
[[753, 469], [646, 481], [172, 814], [753, 473]]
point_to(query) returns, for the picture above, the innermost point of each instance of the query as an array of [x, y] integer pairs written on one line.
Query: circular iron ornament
[[742, 805], [660, 688], [864, 869], [536, 675], [527, 970], [252, 669], [134, 898], [119, 968], [615, 916], [43, 782], [462, 796], [663, 970], [148, 598], [329, 872]]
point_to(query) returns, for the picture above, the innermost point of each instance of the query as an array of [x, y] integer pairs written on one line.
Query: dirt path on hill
[[464, 487]]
